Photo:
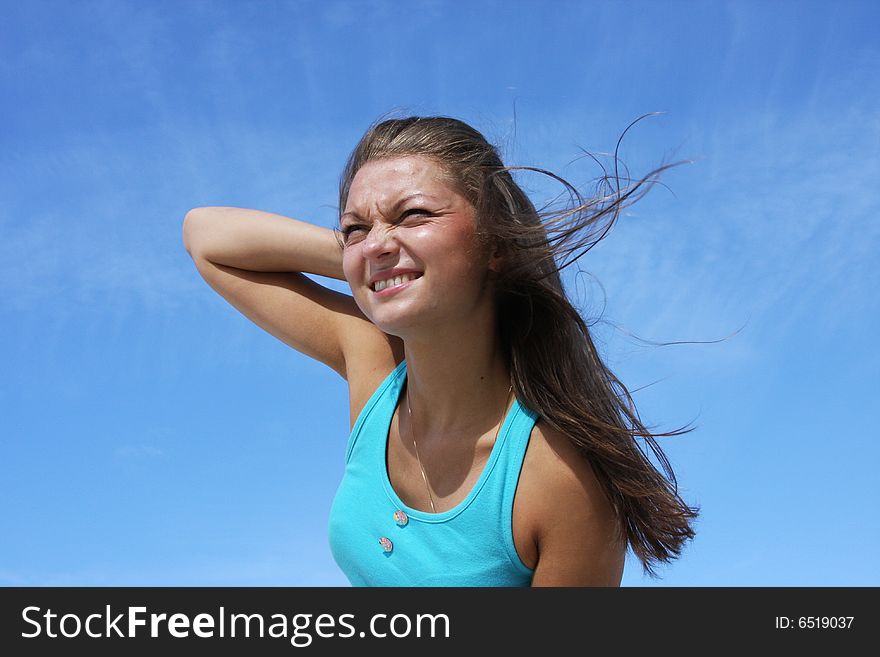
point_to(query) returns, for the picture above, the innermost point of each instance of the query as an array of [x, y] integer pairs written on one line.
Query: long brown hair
[[555, 367]]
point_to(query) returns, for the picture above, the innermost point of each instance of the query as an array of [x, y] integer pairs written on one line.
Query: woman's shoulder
[[369, 366], [553, 458], [567, 505]]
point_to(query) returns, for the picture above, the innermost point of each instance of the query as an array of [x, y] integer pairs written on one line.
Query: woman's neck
[[457, 381]]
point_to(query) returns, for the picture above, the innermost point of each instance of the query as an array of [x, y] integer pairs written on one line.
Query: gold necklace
[[413, 435]]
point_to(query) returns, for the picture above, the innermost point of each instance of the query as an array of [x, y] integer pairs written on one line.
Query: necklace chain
[[413, 435]]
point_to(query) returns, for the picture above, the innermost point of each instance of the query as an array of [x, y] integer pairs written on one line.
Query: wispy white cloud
[[775, 221]]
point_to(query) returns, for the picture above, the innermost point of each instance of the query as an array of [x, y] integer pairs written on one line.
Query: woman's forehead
[[389, 181]]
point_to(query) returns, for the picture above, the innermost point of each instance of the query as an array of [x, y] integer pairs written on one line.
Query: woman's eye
[[348, 230]]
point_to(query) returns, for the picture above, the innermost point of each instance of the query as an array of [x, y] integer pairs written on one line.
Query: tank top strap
[[380, 404], [498, 495]]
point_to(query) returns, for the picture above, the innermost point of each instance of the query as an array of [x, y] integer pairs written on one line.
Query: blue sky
[[152, 435]]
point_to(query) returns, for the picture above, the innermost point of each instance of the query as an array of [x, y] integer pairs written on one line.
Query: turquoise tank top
[[377, 540]]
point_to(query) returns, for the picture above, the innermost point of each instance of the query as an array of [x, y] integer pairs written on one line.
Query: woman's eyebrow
[[394, 208]]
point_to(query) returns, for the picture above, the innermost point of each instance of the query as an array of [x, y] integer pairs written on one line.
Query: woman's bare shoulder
[[370, 358], [573, 522]]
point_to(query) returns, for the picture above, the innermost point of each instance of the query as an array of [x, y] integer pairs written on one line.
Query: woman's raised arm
[[254, 260], [261, 241]]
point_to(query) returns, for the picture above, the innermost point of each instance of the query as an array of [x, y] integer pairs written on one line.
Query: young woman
[[490, 446]]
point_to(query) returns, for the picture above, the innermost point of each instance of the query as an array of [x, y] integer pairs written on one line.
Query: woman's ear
[[496, 259]]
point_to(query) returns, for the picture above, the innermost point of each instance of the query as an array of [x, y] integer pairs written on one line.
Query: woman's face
[[402, 213]]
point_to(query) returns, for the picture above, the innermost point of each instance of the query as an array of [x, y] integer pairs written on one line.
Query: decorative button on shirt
[[386, 544], [400, 518]]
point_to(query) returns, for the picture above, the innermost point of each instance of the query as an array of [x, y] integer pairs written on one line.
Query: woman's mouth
[[393, 285]]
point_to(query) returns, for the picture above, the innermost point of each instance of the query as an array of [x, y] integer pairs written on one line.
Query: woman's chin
[[392, 325], [399, 323]]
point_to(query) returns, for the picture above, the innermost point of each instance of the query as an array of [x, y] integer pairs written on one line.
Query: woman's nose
[[378, 241]]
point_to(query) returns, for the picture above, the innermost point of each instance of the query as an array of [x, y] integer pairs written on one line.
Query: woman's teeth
[[397, 280]]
